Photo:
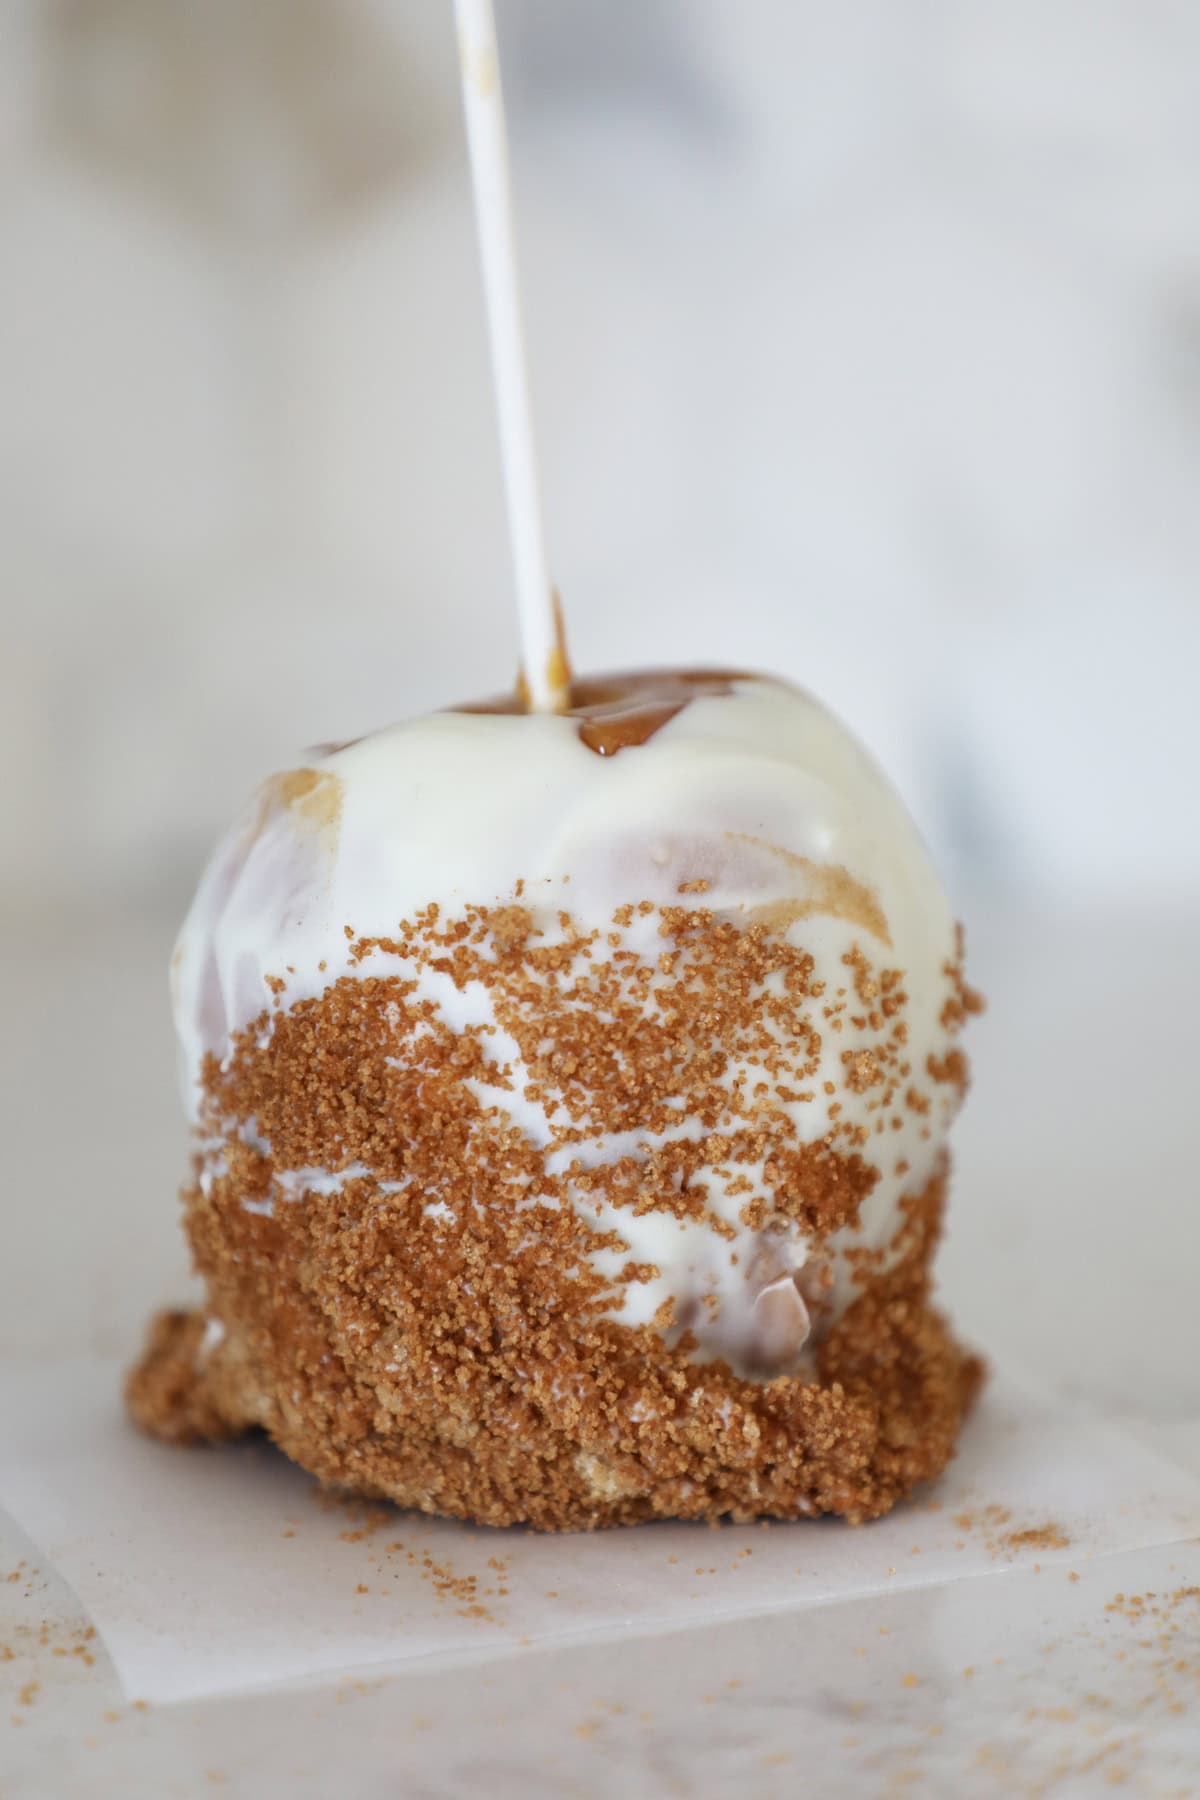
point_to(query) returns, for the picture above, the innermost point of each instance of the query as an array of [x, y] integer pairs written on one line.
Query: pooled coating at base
[[482, 1400]]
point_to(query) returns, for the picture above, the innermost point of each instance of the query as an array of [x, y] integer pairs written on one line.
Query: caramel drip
[[618, 711], [312, 796], [832, 891]]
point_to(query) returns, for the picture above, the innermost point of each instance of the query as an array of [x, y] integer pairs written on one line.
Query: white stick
[[542, 653]]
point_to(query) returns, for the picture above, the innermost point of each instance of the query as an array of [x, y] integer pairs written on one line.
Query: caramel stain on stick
[[558, 674], [558, 663], [622, 710], [832, 891]]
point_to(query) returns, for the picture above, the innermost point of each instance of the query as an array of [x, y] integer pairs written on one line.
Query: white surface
[[214, 1572], [1047, 1161], [1036, 1694]]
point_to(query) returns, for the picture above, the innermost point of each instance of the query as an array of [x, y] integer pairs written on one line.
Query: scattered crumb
[[1003, 1539], [1037, 1537]]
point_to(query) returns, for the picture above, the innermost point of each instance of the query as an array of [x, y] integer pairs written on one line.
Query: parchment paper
[[221, 1570]]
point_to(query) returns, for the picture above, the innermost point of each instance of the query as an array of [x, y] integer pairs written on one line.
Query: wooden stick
[[542, 656]]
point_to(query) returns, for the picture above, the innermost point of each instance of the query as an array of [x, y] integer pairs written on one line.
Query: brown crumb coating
[[390, 1389], [173, 1394], [435, 1332]]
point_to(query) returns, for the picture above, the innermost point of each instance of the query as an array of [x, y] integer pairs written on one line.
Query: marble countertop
[[1072, 1252]]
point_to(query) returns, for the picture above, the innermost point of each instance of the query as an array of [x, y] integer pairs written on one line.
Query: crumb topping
[[438, 1329]]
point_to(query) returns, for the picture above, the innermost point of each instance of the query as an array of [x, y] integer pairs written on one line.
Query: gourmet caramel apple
[[571, 1095]]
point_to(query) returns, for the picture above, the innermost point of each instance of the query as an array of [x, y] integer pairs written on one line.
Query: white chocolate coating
[[759, 793]]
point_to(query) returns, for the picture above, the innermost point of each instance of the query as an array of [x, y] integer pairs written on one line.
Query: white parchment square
[[217, 1570]]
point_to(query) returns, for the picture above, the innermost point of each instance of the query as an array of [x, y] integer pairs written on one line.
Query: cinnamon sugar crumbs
[[437, 1331], [67, 1645], [1037, 1537], [448, 1585], [1150, 1641], [832, 890], [992, 1523], [951, 1069], [364, 1532], [511, 927], [964, 1001]]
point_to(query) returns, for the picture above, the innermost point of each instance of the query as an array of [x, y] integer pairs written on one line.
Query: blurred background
[[866, 348]]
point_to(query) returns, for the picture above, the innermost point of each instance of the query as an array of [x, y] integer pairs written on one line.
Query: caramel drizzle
[[622, 710], [832, 891]]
